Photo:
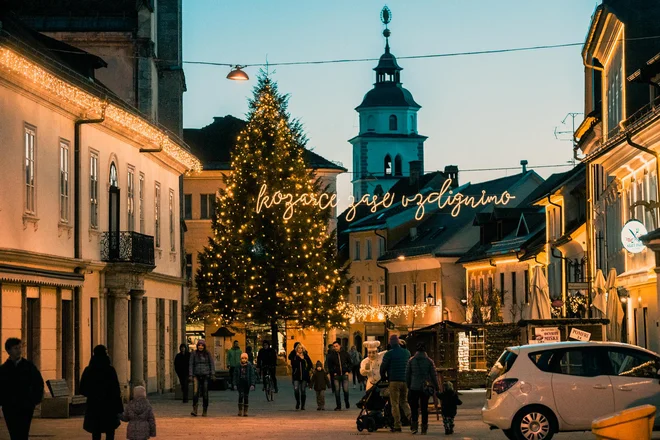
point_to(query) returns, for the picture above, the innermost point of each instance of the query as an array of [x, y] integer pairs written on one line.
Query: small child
[[140, 416], [320, 383], [245, 378], [450, 401]]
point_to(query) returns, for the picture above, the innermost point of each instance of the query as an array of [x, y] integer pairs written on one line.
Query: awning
[[31, 275]]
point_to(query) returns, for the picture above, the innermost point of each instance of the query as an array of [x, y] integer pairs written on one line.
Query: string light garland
[[363, 312], [86, 103]]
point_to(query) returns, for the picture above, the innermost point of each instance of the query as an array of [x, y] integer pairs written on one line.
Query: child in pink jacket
[[140, 416]]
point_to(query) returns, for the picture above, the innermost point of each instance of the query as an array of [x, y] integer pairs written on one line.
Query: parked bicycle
[[268, 387]]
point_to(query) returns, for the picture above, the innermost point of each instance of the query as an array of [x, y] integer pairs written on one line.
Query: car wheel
[[533, 423]]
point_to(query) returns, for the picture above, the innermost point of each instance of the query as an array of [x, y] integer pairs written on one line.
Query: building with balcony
[[91, 244], [619, 141]]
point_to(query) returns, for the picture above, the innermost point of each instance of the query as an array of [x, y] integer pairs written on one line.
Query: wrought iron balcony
[[127, 247]]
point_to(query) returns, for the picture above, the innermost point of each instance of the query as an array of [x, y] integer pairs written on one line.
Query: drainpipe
[[77, 245], [552, 249]]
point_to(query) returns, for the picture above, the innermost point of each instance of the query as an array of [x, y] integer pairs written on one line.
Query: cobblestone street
[[275, 420]]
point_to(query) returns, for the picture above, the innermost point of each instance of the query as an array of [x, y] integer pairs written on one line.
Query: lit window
[[477, 350], [30, 170], [64, 182], [381, 294], [370, 295]]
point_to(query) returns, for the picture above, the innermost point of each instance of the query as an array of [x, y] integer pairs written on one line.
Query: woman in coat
[[100, 385], [301, 364], [422, 382]]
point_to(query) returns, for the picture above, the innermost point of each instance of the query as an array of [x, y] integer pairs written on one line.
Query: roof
[[444, 235], [554, 182], [569, 344], [214, 143], [223, 332], [388, 94]]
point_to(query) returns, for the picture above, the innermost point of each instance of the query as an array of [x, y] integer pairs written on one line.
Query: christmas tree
[[259, 266]]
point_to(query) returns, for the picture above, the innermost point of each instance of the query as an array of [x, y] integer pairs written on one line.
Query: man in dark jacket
[[339, 365], [394, 366], [181, 366], [21, 389], [420, 372], [267, 362]]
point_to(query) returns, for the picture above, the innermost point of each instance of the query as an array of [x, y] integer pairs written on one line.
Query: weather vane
[[386, 17]]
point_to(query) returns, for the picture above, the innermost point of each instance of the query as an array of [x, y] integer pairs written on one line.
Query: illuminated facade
[[620, 140], [90, 251]]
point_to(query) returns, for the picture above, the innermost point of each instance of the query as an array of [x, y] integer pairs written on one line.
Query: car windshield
[[503, 365]]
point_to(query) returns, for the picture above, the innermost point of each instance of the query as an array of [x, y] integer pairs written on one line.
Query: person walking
[[250, 354], [21, 390], [450, 401], [140, 416], [245, 378], [356, 358], [320, 383], [422, 383], [99, 383], [267, 362], [394, 367], [233, 360], [339, 365], [300, 366], [181, 365], [202, 370], [332, 376]]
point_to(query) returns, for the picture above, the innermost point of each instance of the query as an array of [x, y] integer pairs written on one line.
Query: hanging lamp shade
[[237, 74]]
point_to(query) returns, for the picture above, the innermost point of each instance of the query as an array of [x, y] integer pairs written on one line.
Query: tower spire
[[386, 17]]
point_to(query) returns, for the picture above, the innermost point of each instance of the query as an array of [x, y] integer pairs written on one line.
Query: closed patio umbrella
[[614, 309], [539, 305], [598, 301]]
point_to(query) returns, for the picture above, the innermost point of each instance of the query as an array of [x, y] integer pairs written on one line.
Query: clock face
[[632, 230]]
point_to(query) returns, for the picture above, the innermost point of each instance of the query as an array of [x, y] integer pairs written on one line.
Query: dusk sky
[[479, 111]]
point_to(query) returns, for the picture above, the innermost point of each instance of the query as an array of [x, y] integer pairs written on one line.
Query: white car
[[537, 390]]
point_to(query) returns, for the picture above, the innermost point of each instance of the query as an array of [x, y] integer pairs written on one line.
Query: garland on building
[[362, 312], [259, 266]]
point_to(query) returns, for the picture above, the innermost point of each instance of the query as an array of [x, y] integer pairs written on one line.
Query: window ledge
[[94, 233], [64, 227], [30, 218], [159, 252], [172, 256]]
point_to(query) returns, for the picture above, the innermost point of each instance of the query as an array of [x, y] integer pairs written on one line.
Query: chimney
[[451, 172], [415, 171], [524, 165]]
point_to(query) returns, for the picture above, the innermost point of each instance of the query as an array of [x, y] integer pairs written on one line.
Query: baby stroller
[[375, 412]]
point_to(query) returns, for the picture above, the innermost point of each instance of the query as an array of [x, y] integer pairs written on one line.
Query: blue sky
[[479, 111]]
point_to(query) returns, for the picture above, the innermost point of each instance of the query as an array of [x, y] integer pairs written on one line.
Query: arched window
[[393, 123], [388, 165], [398, 171], [371, 123], [113, 175], [413, 129]]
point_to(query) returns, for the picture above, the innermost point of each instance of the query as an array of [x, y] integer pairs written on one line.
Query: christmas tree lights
[[261, 265]]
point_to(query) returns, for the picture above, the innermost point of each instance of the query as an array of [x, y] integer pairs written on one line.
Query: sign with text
[[547, 334], [579, 335]]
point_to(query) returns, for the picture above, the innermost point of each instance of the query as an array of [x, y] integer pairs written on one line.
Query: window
[[207, 202], [513, 287], [381, 294], [381, 246], [172, 234], [398, 171], [130, 198], [434, 286], [405, 294], [157, 214], [94, 190], [424, 292], [356, 252], [358, 295], [368, 249], [631, 363], [396, 295], [64, 182], [189, 267], [477, 350], [393, 123], [187, 206], [30, 170], [141, 196], [526, 281], [370, 295], [502, 288], [490, 286], [546, 360], [371, 123], [578, 362], [481, 288], [414, 286], [387, 165]]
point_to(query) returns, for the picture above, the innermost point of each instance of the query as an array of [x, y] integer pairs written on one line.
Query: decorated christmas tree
[[265, 266]]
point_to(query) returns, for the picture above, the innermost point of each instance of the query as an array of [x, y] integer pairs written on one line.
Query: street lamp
[[237, 74], [429, 300]]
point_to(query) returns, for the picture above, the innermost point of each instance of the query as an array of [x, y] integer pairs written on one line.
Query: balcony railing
[[127, 247]]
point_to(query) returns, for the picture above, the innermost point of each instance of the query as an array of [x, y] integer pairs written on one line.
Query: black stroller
[[375, 412]]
